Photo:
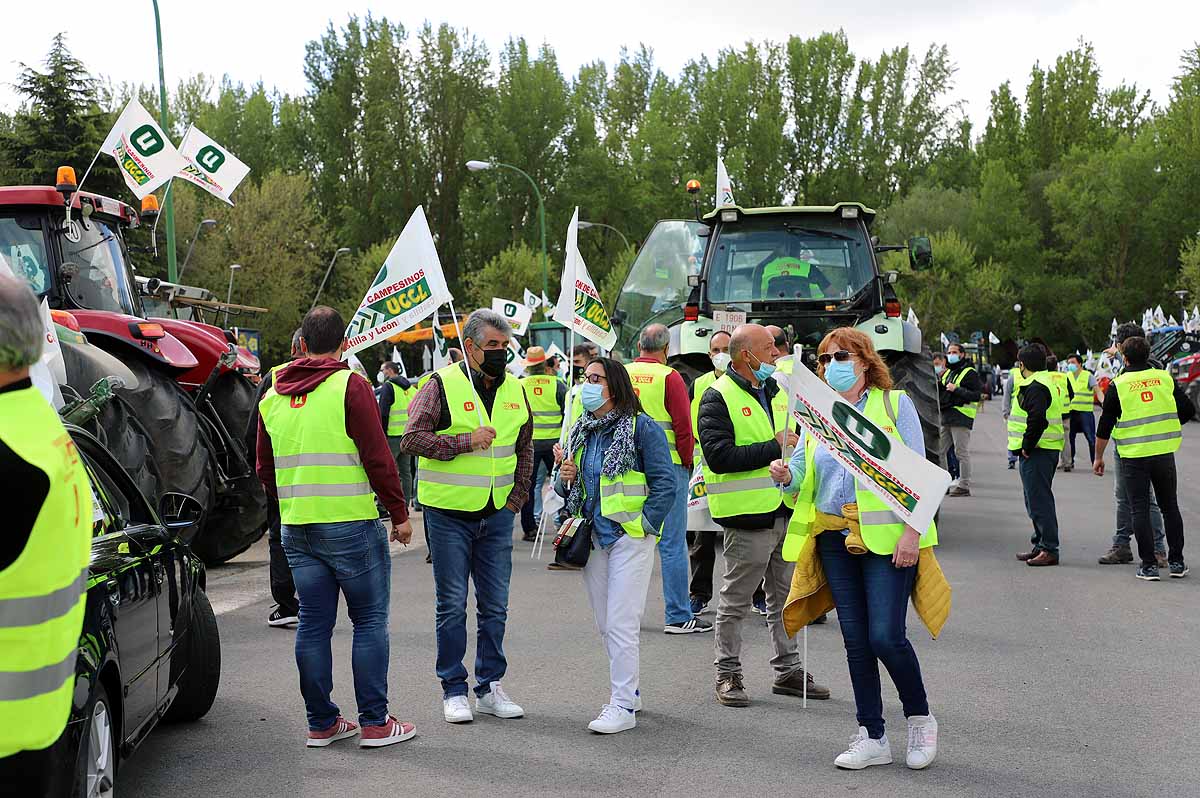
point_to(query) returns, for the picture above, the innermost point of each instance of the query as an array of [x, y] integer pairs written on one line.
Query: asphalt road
[[1075, 680]]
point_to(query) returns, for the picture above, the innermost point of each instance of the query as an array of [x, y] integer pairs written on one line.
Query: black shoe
[[529, 537], [823, 619], [280, 619], [1012, 465], [429, 559], [688, 627], [1148, 573], [1178, 569]]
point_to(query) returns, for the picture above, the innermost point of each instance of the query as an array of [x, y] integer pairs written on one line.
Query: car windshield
[[94, 267], [793, 257], [657, 280], [23, 250]]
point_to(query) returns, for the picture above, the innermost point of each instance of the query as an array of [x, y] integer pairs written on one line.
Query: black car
[[149, 650]]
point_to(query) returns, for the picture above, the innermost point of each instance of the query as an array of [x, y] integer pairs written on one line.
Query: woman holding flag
[[852, 553], [619, 475]]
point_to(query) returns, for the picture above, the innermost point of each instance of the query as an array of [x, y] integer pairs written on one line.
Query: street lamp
[[333, 260], [479, 166], [585, 225], [203, 224], [1020, 311], [233, 267], [168, 201]]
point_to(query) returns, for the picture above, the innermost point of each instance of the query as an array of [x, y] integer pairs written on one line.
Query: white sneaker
[[613, 719], [864, 752], [922, 741], [456, 709], [496, 702]]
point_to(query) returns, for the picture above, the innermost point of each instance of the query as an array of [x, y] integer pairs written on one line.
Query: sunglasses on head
[[840, 356]]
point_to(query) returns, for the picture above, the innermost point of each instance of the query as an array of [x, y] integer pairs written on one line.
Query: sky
[[265, 39]]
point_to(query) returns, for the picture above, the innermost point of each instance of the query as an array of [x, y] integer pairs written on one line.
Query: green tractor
[[805, 269]]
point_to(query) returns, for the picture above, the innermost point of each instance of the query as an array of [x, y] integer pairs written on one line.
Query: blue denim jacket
[[654, 460]]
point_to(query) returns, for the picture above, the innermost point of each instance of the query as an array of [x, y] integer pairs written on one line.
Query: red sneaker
[[340, 730], [393, 731]]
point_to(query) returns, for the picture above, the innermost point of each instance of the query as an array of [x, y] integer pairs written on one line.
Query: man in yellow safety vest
[[1035, 435], [1143, 414], [472, 428], [1083, 386], [323, 455], [395, 395], [702, 543], [959, 392], [44, 552]]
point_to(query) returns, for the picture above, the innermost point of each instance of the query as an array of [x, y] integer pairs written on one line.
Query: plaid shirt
[[428, 412]]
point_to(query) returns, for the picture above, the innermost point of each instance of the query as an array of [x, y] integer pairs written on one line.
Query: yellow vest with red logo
[[650, 384]]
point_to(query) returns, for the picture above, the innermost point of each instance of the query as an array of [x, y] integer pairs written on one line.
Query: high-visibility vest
[[881, 528], [623, 496], [1083, 394], [319, 477], [650, 385], [1149, 422], [1060, 380], [398, 415], [1052, 438], [42, 593], [542, 392], [968, 410], [576, 397], [471, 479], [789, 267], [785, 364], [699, 386], [744, 492]]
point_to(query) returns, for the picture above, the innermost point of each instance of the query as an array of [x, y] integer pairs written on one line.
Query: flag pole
[[79, 187], [470, 378], [154, 228]]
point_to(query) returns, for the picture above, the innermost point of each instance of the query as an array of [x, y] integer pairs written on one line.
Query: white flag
[[553, 351], [514, 359], [579, 306], [399, 361], [210, 166], [532, 301], [945, 341], [441, 348], [1159, 319], [1112, 333], [724, 189], [145, 156], [356, 365], [1171, 321], [408, 288], [912, 318], [516, 314], [992, 338]]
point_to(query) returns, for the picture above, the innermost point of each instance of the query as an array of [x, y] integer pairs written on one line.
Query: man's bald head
[[750, 346]]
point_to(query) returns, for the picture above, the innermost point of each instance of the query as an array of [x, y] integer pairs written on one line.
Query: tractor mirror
[[179, 511], [920, 253]]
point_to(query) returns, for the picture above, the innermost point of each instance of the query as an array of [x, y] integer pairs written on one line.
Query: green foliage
[[506, 275]]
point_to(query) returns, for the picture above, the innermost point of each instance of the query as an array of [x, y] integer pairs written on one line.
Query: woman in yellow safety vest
[[853, 553], [618, 474]]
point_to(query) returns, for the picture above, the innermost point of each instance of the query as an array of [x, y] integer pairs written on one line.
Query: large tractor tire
[[913, 374], [172, 427], [239, 516]]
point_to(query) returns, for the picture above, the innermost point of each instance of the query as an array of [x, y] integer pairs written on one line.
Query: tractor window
[[23, 250], [93, 266], [788, 258], [657, 279]]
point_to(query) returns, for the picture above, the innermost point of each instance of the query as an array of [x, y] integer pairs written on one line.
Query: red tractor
[[179, 427]]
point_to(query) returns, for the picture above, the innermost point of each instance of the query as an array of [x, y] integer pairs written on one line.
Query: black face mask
[[494, 362]]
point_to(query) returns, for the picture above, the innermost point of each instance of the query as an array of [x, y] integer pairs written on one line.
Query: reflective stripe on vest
[[398, 415], [650, 384], [1082, 401], [623, 497], [43, 592], [881, 528], [473, 479], [542, 392], [318, 475], [1149, 422], [789, 267], [968, 410], [1052, 438], [743, 492], [699, 386]]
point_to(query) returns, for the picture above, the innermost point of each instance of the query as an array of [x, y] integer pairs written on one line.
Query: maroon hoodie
[[362, 425]]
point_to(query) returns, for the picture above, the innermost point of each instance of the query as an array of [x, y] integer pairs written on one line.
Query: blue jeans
[[871, 596], [1083, 421], [482, 551], [1037, 478], [673, 554], [1125, 512], [351, 556]]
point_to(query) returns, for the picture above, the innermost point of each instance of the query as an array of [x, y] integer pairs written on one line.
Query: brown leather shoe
[[793, 684], [1025, 556], [1043, 558], [731, 692]]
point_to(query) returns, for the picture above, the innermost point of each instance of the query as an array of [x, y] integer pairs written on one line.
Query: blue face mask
[[1072, 367], [592, 397], [840, 375], [764, 370], [953, 359]]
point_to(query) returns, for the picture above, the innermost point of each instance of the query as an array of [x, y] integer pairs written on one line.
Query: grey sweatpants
[[960, 438], [752, 557]]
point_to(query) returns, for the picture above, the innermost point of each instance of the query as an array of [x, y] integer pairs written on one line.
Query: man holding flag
[[472, 428]]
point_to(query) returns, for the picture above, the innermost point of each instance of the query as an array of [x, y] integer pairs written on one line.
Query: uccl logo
[[210, 158], [537, 391], [746, 412], [468, 406], [299, 400], [1147, 396], [146, 141]]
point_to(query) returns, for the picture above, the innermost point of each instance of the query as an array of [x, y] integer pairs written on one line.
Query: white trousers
[[616, 581]]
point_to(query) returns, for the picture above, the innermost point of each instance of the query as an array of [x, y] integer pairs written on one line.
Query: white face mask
[[721, 361], [380, 377]]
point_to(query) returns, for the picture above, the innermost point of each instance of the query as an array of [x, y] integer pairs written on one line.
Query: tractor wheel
[[240, 514], [913, 374], [172, 427]]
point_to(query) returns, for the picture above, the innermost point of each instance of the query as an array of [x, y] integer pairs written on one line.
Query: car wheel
[[202, 675], [96, 767]]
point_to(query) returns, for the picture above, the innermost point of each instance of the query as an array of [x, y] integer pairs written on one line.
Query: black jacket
[[968, 390], [723, 456], [1034, 399]]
